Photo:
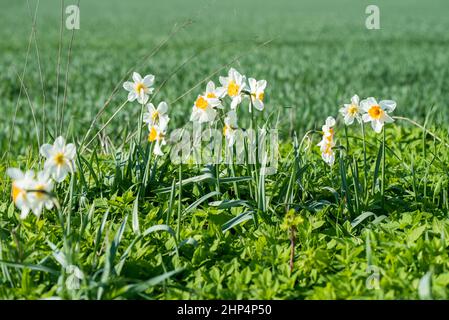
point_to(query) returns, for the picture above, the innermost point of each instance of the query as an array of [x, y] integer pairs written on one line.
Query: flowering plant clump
[[367, 110], [234, 88], [32, 192], [156, 119]]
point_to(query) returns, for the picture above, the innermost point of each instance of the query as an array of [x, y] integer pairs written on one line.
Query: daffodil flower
[[257, 93], [140, 89], [203, 110], [39, 196], [157, 116], [377, 113], [352, 111], [157, 136], [60, 158], [327, 143], [233, 85], [22, 182], [213, 94], [328, 154]]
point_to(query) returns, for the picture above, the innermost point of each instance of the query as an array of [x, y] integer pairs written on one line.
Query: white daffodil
[[233, 85], [327, 143], [257, 93], [140, 89], [377, 113], [327, 153], [157, 116], [328, 130], [40, 194], [230, 125], [351, 111], [157, 136], [214, 94], [203, 110], [60, 158], [22, 182]]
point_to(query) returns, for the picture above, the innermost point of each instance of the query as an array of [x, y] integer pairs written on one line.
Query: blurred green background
[[319, 55]]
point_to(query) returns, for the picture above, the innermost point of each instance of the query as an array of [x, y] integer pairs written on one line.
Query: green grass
[[169, 240]]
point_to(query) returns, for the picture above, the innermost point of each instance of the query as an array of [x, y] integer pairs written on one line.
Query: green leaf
[[237, 220], [415, 234], [361, 217]]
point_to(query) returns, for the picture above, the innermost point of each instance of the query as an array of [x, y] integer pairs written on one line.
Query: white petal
[[366, 104], [70, 151], [46, 150], [349, 120], [142, 98], [15, 174], [49, 205], [162, 108], [157, 149], [236, 101], [355, 100], [223, 81], [238, 78], [366, 117], [252, 84], [388, 105], [151, 108], [132, 95], [330, 122], [24, 213], [214, 102], [59, 143], [60, 173], [242, 84], [210, 87], [377, 125], [261, 85], [208, 115], [128, 86], [137, 77], [148, 80], [258, 105], [220, 92], [43, 175], [387, 118], [147, 118], [163, 122]]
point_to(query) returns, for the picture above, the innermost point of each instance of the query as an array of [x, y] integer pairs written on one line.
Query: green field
[[356, 222]]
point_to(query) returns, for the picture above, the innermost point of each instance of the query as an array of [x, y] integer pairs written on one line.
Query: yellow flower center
[[201, 103], [153, 134], [261, 96], [59, 158], [16, 192], [211, 95], [155, 116], [375, 112], [233, 89], [353, 110], [140, 86]]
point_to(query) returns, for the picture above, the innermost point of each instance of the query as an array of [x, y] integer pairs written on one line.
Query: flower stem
[[365, 169], [178, 230], [383, 169]]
